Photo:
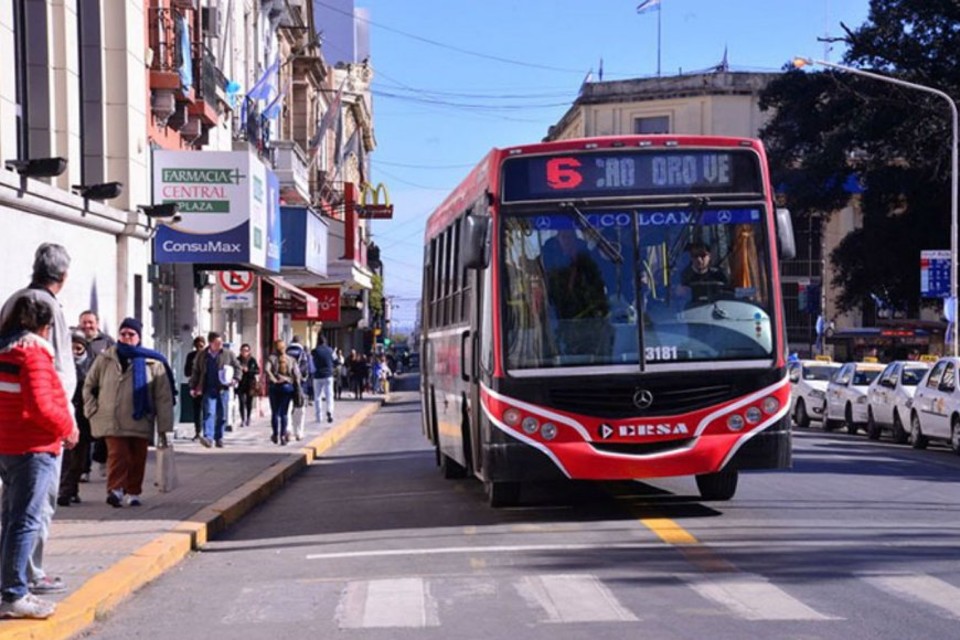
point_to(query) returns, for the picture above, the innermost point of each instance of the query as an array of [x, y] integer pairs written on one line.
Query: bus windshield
[[684, 285]]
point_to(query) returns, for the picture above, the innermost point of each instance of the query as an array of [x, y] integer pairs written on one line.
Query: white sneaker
[[132, 501], [29, 606]]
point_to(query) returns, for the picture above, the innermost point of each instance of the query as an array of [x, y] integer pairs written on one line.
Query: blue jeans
[[281, 395], [27, 480], [215, 413], [322, 388]]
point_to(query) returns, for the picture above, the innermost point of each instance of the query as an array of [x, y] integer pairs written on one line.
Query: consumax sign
[[222, 199]]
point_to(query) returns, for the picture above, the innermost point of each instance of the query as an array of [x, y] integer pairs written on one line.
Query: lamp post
[[799, 63]]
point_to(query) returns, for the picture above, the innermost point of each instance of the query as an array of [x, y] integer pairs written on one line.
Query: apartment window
[[653, 124]]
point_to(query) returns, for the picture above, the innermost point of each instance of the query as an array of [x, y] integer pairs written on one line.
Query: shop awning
[[299, 302]]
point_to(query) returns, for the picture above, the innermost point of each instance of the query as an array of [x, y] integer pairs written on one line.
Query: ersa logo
[[643, 430]]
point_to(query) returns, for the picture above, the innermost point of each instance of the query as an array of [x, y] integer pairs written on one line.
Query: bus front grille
[[619, 401], [641, 449]]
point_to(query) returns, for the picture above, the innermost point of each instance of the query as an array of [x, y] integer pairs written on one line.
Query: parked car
[[888, 397], [808, 389], [847, 395], [935, 409]]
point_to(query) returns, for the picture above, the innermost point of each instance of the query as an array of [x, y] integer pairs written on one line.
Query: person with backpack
[[298, 353], [324, 367]]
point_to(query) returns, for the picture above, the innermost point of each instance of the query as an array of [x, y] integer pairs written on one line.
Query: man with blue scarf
[[128, 393]]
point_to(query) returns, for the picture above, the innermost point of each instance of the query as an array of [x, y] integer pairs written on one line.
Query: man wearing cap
[[97, 342], [700, 280], [128, 393], [215, 371]]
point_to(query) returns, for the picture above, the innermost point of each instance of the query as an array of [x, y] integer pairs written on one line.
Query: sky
[[455, 78]]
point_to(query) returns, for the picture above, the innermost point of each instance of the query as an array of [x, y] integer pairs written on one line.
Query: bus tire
[[450, 468], [502, 494], [718, 486]]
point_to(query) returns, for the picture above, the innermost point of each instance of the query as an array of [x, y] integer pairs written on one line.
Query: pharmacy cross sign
[[235, 281]]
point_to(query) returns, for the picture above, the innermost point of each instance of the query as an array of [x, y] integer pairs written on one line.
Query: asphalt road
[[858, 541]]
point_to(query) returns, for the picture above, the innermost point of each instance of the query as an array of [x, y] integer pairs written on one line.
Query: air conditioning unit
[[210, 21]]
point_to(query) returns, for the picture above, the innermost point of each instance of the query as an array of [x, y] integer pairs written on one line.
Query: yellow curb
[[100, 594]]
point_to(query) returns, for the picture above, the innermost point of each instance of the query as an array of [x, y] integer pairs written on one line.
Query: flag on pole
[[329, 118], [648, 5]]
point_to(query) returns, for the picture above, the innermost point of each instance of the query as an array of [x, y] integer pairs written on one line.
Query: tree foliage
[[896, 140]]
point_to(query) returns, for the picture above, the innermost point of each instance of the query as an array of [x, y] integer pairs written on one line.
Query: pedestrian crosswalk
[[416, 602]]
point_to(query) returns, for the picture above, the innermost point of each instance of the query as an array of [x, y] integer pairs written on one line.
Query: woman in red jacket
[[35, 424]]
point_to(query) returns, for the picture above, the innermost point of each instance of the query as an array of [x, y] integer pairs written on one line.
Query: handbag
[[166, 479]]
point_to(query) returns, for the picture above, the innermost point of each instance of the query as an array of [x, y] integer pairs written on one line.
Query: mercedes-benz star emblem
[[642, 398]]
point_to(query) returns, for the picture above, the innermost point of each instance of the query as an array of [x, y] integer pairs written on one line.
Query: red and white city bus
[[605, 309]]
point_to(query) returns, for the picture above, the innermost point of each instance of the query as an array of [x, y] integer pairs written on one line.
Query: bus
[[607, 309]]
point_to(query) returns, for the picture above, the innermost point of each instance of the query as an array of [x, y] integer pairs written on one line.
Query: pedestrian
[[247, 389], [383, 376], [359, 372], [215, 372], [76, 461], [283, 376], [298, 416], [339, 374], [324, 367], [97, 343], [35, 425], [51, 264], [196, 400], [127, 395]]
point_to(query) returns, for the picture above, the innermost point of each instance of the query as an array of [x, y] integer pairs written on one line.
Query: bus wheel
[[503, 494], [800, 415], [899, 433], [717, 486], [450, 468]]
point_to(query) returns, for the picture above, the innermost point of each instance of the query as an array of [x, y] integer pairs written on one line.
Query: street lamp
[[799, 63]]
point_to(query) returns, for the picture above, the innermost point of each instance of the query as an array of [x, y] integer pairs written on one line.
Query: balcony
[[290, 164], [207, 79]]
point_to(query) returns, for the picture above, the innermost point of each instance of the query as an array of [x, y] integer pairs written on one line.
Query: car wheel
[[717, 486], [800, 416], [900, 435], [873, 428], [848, 418], [955, 436], [917, 439]]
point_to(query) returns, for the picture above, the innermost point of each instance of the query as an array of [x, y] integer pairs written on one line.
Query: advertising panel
[[222, 198]]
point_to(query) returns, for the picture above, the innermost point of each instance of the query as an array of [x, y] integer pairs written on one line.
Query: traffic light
[[387, 342]]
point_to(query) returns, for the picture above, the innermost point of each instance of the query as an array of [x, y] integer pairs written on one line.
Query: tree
[[896, 141]]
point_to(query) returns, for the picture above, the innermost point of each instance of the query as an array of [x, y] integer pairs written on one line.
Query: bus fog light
[[753, 415], [530, 425], [511, 417], [735, 422], [548, 431], [771, 405]]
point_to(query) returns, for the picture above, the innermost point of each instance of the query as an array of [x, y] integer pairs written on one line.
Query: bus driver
[[701, 281]]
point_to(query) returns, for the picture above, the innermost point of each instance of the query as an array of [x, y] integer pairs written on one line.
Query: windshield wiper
[[610, 251]]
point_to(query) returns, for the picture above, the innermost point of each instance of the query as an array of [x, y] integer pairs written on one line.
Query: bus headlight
[[511, 417], [735, 422], [530, 425], [753, 415], [548, 431], [770, 405]]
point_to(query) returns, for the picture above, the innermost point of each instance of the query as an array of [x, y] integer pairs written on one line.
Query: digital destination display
[[624, 173]]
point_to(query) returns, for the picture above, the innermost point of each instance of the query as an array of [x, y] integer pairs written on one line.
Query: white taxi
[[808, 388], [935, 411], [847, 395], [888, 399]]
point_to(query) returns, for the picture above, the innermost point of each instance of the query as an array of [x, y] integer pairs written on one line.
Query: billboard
[[222, 199]]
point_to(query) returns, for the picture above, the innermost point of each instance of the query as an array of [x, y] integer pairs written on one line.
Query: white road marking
[[573, 598], [401, 602], [920, 588], [753, 598], [272, 602]]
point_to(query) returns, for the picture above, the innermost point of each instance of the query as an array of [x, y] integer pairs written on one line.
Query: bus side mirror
[[785, 240], [475, 243], [786, 244]]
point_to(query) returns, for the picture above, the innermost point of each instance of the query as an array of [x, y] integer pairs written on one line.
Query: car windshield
[[911, 377], [818, 372], [687, 284], [864, 378]]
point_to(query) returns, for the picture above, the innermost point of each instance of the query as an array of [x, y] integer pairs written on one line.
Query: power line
[[376, 161]]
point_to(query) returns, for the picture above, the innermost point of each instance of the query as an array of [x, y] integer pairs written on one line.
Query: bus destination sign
[[626, 173]]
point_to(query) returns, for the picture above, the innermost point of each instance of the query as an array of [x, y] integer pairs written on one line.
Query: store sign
[[328, 304], [222, 200], [305, 238], [370, 207]]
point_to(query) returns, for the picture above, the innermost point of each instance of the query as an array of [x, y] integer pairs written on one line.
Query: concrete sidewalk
[[105, 554]]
